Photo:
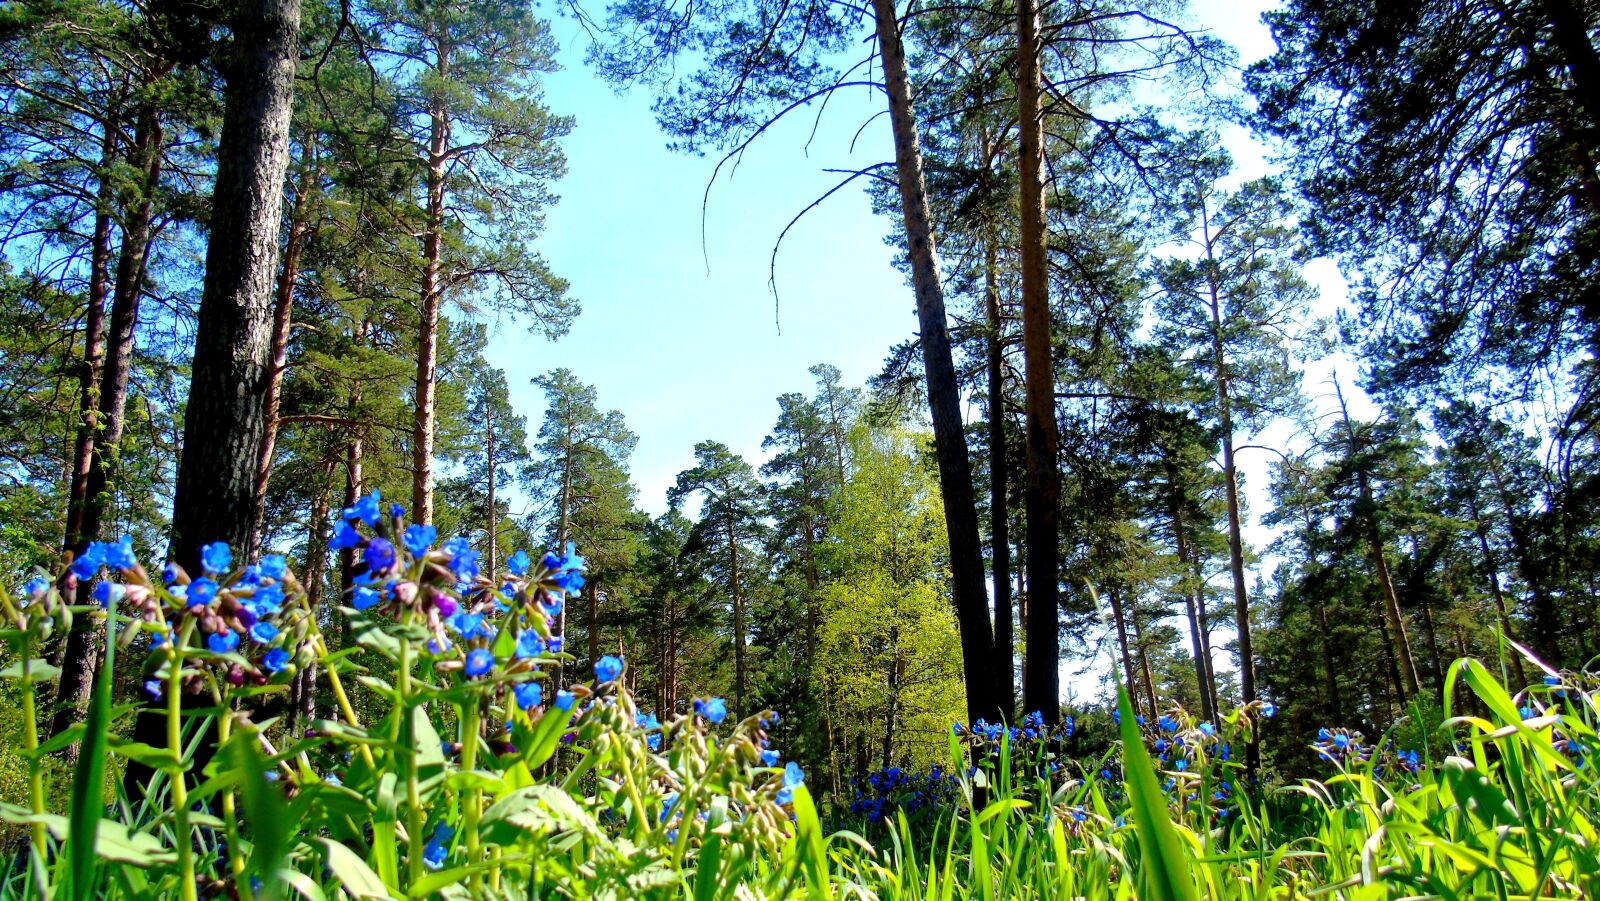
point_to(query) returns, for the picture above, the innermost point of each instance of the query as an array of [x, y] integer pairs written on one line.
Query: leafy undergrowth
[[474, 774]]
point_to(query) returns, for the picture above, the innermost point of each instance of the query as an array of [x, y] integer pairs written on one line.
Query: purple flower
[[216, 557], [419, 538], [608, 668], [276, 660], [479, 662], [223, 642], [446, 605], [380, 555]]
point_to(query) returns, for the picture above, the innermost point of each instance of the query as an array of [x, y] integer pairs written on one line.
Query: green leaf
[[266, 813], [114, 841], [1163, 861], [38, 671], [810, 846], [88, 777], [353, 874]]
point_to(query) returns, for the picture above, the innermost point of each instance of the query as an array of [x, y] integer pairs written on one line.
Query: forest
[[1224, 523]]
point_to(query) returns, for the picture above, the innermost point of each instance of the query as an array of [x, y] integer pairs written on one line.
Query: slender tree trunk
[[738, 621], [316, 568], [282, 319], [1191, 594], [1144, 663], [1230, 475], [428, 327], [225, 418], [94, 345], [1335, 705], [999, 478], [893, 676], [944, 392], [593, 622], [1493, 568], [492, 510], [1129, 674], [81, 651], [1041, 689], [563, 523], [353, 478]]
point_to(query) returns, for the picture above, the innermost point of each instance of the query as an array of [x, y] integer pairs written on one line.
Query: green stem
[[415, 841], [469, 761], [180, 789], [36, 854]]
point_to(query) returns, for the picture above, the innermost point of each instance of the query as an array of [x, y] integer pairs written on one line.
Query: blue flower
[[793, 778], [569, 581], [1167, 724], [363, 598], [202, 591], [367, 509], [379, 556], [397, 511], [216, 557], [769, 757], [108, 593], [565, 700], [86, 564], [35, 587], [119, 554], [274, 566], [419, 538], [715, 709], [1527, 713], [263, 633], [266, 600], [344, 537], [556, 643], [529, 695], [518, 563], [438, 847], [169, 573], [608, 668], [152, 688], [1182, 764], [1207, 729], [1269, 709], [469, 625], [223, 642], [479, 662], [529, 644], [276, 660]]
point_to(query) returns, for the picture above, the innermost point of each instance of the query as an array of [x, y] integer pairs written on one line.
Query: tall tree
[[224, 421], [727, 532], [467, 75]]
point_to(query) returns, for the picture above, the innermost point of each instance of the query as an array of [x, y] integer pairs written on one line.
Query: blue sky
[[681, 337]]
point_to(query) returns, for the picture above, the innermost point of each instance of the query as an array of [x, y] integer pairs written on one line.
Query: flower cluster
[[1031, 730], [884, 794]]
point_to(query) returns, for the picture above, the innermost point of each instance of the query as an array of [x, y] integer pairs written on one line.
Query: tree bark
[[225, 419], [428, 327], [738, 620], [1493, 568], [999, 479], [81, 652], [492, 511], [944, 392], [1129, 674], [94, 346], [1041, 678], [282, 320], [1202, 662]]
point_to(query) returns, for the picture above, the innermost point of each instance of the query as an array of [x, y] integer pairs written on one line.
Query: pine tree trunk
[[738, 622], [944, 392], [81, 651], [225, 418], [1202, 668], [492, 509], [94, 346], [1493, 568], [1129, 674], [999, 479], [428, 327], [1144, 663], [894, 678], [353, 478], [1230, 476], [282, 321], [1041, 678]]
